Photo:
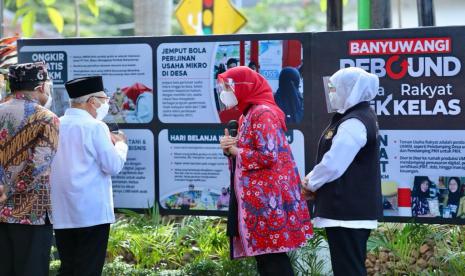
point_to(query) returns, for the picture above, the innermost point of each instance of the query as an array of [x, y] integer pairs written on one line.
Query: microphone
[[232, 127], [114, 128]]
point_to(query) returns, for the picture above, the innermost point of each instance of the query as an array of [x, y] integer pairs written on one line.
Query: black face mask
[[225, 193]]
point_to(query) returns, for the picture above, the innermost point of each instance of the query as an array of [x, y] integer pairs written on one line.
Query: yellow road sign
[[198, 17]]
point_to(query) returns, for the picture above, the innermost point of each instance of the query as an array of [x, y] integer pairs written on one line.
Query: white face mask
[[228, 99], [102, 111], [48, 104], [48, 90], [335, 101]]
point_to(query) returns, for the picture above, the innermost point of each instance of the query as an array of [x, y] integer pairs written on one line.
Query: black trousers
[[25, 249], [277, 264], [82, 250], [348, 248]]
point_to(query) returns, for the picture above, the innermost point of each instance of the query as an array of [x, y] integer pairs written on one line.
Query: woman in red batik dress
[[272, 218]]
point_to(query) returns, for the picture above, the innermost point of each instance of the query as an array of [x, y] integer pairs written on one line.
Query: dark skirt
[[232, 229]]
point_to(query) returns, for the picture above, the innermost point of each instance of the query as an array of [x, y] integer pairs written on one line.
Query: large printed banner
[[420, 108], [164, 96], [197, 172], [193, 172], [127, 70]]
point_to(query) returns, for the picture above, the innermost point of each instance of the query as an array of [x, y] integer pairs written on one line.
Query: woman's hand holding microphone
[[228, 144]]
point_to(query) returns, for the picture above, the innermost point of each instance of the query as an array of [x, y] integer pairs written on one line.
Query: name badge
[[329, 134]]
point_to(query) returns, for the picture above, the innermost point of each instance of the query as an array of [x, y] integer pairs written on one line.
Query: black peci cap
[[26, 76], [84, 86]]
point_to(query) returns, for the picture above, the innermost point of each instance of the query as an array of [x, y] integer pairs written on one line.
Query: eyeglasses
[[106, 99]]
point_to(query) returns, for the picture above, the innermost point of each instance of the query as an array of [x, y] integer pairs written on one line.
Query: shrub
[[119, 268], [54, 266], [239, 267], [306, 260], [202, 267], [411, 249], [146, 244]]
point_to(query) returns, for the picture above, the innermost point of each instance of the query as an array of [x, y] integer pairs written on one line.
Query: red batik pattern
[[272, 215]]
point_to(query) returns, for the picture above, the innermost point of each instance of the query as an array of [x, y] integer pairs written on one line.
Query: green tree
[[75, 17], [115, 19], [283, 15], [30, 9]]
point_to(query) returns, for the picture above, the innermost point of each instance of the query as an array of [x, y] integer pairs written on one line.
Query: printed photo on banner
[[128, 104], [187, 75], [441, 196], [273, 60], [131, 104], [389, 191], [197, 198], [425, 197], [451, 194], [126, 70]]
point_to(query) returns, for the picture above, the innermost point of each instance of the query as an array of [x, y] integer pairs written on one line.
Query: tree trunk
[[426, 13], [77, 18], [334, 15], [380, 14], [153, 17]]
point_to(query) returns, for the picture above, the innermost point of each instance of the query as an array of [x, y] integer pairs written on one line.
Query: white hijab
[[353, 85]]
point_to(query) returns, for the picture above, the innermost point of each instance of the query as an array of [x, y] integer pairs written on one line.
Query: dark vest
[[356, 195]]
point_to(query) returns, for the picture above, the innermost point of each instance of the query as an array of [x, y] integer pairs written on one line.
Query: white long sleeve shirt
[[81, 171], [351, 136]]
